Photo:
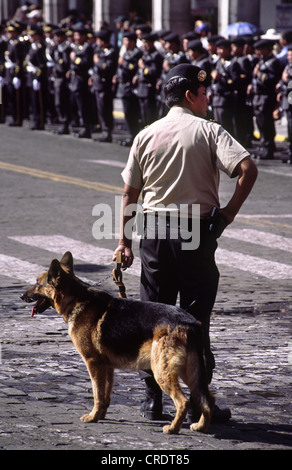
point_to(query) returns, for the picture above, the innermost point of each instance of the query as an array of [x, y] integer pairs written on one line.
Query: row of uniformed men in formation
[[73, 77]]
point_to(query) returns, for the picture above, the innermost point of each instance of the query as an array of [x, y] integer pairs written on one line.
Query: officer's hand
[[127, 256]]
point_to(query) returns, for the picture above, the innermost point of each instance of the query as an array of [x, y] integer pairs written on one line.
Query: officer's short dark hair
[[176, 88], [181, 78]]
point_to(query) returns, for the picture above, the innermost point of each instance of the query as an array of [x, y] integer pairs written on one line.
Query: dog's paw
[[168, 429], [197, 427], [88, 418]]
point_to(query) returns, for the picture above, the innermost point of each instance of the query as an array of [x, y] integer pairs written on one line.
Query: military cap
[[172, 37], [59, 32], [214, 38], [104, 34], [35, 30], [12, 27], [47, 28], [223, 43], [150, 37], [238, 41], [195, 45], [191, 35], [130, 35], [190, 72], [263, 43], [80, 29], [162, 33], [144, 28], [248, 39]]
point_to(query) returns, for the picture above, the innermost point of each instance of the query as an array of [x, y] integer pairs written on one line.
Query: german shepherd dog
[[111, 332]]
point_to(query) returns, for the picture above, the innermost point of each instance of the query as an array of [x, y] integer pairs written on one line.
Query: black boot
[[151, 407], [219, 415]]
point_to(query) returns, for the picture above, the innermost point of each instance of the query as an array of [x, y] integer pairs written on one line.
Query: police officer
[[174, 55], [149, 71], [80, 63], [199, 56], [176, 161], [104, 68], [212, 49], [60, 54], [249, 51], [2, 73], [127, 69], [224, 78], [241, 84], [14, 75], [266, 75], [285, 89], [36, 67]]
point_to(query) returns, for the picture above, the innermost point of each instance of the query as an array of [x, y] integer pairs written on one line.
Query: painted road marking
[[102, 187], [95, 255], [269, 240], [20, 270], [113, 163], [24, 271], [254, 264], [265, 216], [276, 172], [82, 251]]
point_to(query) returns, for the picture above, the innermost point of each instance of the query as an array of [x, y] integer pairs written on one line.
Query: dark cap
[[263, 43], [144, 28], [238, 41], [130, 35], [60, 32], [13, 27], [223, 43], [195, 45], [80, 29], [213, 39], [172, 37], [162, 33], [194, 74], [35, 30], [150, 37], [103, 34], [191, 35]]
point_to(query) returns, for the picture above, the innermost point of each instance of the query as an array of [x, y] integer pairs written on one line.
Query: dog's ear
[[54, 272], [67, 262]]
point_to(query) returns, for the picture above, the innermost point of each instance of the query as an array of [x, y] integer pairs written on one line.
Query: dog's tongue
[[32, 312]]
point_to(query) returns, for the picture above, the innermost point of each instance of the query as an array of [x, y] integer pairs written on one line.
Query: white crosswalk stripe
[[82, 251], [24, 271], [20, 270], [91, 254], [269, 240], [254, 264]]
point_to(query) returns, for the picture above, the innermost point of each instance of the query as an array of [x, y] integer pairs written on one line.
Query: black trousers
[[132, 114], [62, 101], [264, 106], [168, 270], [225, 117], [104, 102]]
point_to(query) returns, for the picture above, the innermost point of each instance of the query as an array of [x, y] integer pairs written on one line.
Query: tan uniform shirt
[[176, 160]]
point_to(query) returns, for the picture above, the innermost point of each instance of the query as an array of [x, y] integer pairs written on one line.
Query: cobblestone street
[[46, 209], [45, 387]]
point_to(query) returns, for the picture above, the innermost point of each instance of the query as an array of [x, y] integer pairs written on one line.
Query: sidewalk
[[45, 387]]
